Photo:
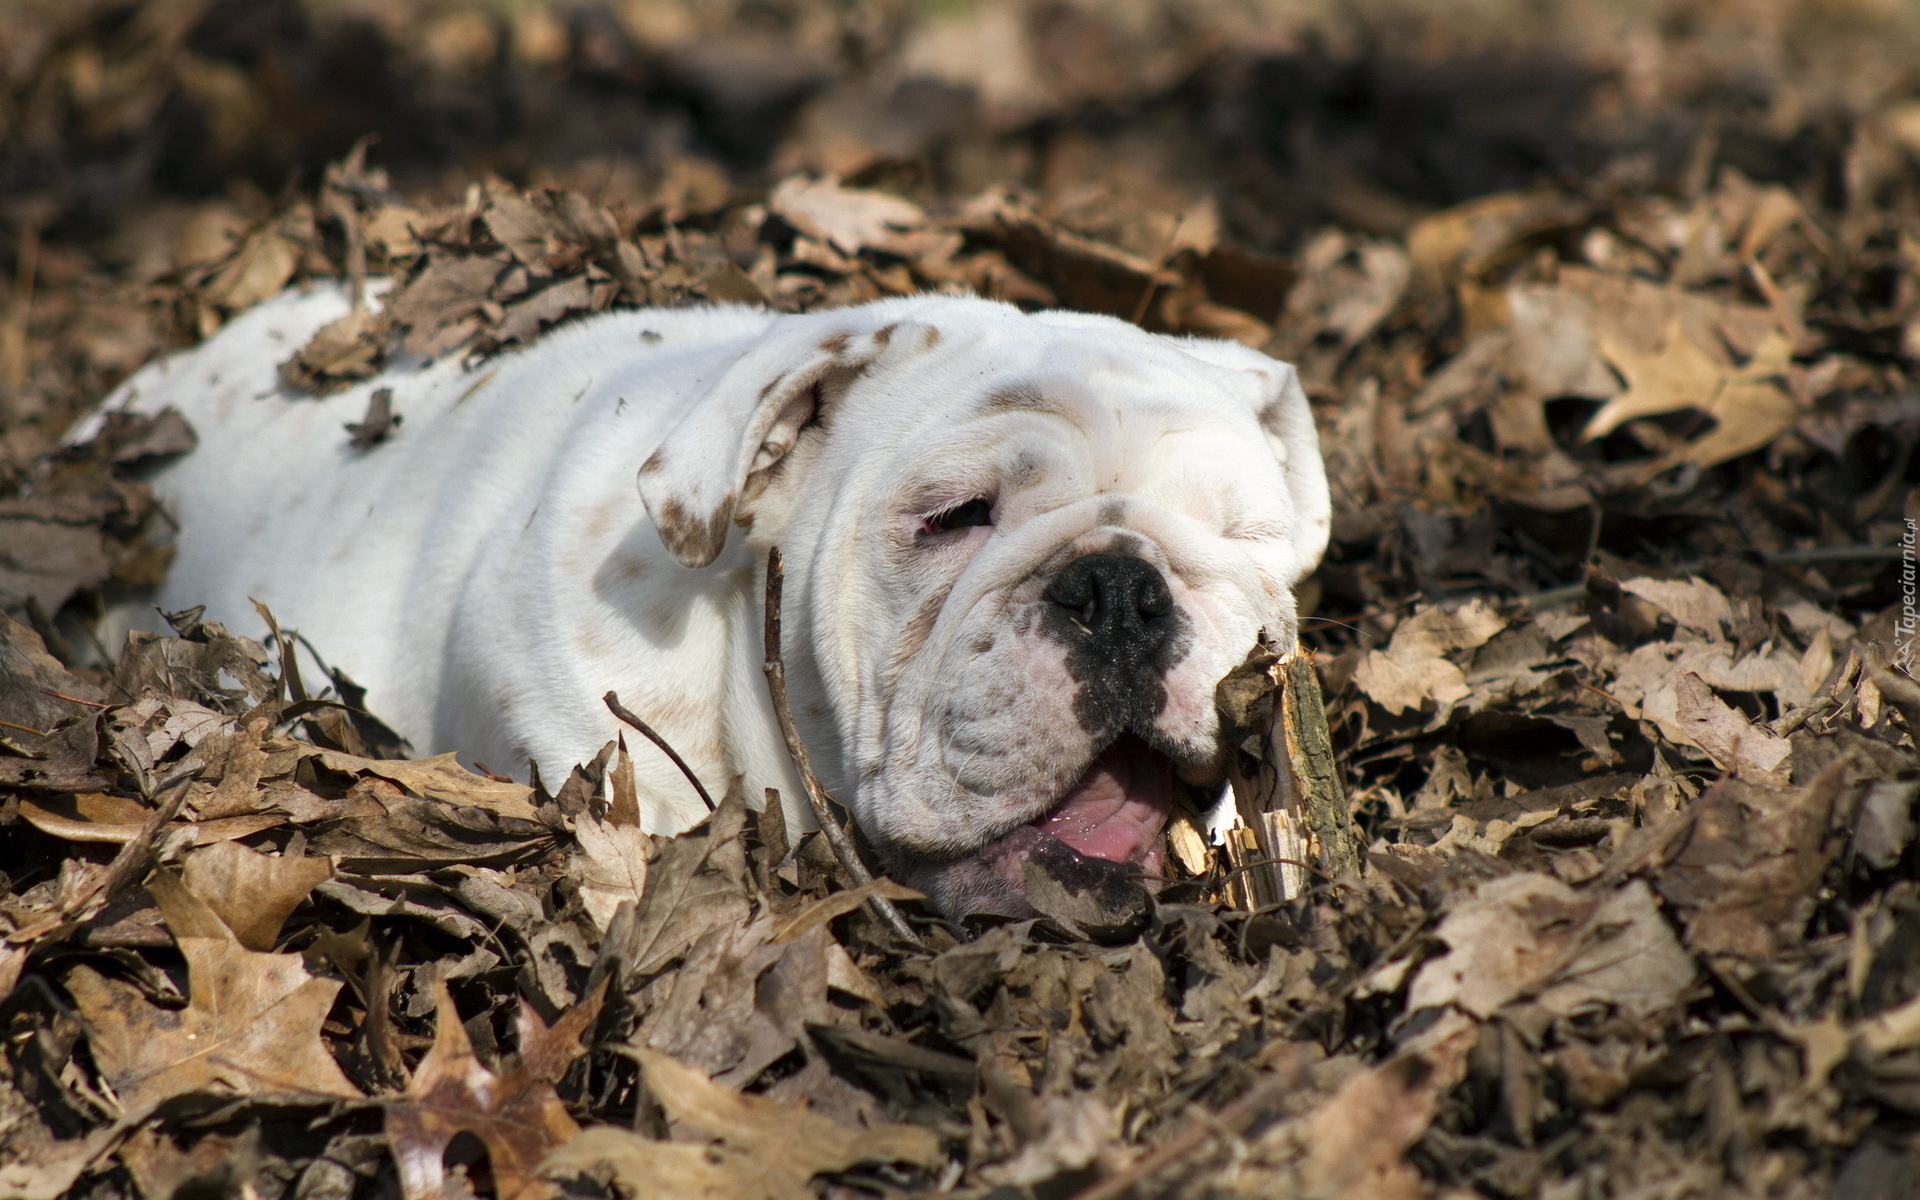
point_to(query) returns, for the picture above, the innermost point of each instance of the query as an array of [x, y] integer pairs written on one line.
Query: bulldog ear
[[736, 431], [1280, 405]]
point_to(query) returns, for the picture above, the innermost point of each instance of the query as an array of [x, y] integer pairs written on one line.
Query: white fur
[[490, 571]]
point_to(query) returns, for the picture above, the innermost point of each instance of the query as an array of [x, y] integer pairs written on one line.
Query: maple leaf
[[518, 1117], [251, 1028], [1749, 410]]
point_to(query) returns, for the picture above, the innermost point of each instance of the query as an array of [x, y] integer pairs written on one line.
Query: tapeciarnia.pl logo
[[1908, 622]]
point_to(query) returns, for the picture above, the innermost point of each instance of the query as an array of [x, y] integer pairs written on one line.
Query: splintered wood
[[1293, 821]]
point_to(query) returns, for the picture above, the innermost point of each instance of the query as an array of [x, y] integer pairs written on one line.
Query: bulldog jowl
[[1092, 857]]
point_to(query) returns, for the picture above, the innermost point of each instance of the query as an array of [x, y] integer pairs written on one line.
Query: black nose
[[1117, 602]]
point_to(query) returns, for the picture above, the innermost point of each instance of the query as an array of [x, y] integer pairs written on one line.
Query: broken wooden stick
[[830, 827], [1293, 809]]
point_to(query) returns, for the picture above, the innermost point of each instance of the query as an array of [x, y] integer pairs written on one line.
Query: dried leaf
[[763, 1150], [695, 885], [440, 778], [341, 352], [251, 1028], [377, 425], [611, 867], [1752, 858], [1691, 602], [517, 1116], [1530, 937], [1748, 751], [848, 218], [1749, 412], [97, 817], [261, 267], [1414, 669], [252, 893], [1357, 1141]]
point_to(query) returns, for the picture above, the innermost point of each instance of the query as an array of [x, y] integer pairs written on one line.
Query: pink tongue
[[1118, 808]]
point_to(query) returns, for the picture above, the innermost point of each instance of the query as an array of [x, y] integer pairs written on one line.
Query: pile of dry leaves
[[1618, 396]]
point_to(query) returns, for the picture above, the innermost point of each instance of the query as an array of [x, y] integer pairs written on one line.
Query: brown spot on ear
[[929, 338], [884, 334], [693, 541], [1017, 397], [655, 462], [836, 343]]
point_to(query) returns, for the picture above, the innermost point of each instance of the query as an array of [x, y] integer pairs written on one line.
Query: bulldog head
[[1022, 550]]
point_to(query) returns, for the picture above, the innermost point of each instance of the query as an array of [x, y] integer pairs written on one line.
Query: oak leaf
[[1748, 409]]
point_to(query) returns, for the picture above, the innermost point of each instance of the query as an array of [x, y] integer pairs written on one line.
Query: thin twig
[[73, 699], [613, 705], [835, 833]]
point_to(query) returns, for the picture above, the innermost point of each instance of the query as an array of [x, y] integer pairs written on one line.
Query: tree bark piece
[[1286, 786]]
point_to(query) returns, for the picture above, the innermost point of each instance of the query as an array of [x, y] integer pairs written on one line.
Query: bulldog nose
[[1117, 601]]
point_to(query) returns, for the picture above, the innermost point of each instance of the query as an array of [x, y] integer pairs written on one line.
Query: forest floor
[[1610, 315]]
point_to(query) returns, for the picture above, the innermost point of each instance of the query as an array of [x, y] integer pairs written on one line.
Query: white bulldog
[[1021, 552]]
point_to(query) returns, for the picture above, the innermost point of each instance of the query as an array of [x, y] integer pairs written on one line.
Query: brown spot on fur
[[1270, 418], [631, 568], [884, 334], [929, 338], [773, 385], [1270, 422], [1128, 543], [834, 382], [1017, 397], [836, 343], [913, 636], [600, 521], [1112, 512], [655, 462], [667, 711], [589, 642], [662, 614]]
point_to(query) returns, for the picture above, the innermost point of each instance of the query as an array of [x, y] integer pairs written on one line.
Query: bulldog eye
[[978, 511]]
